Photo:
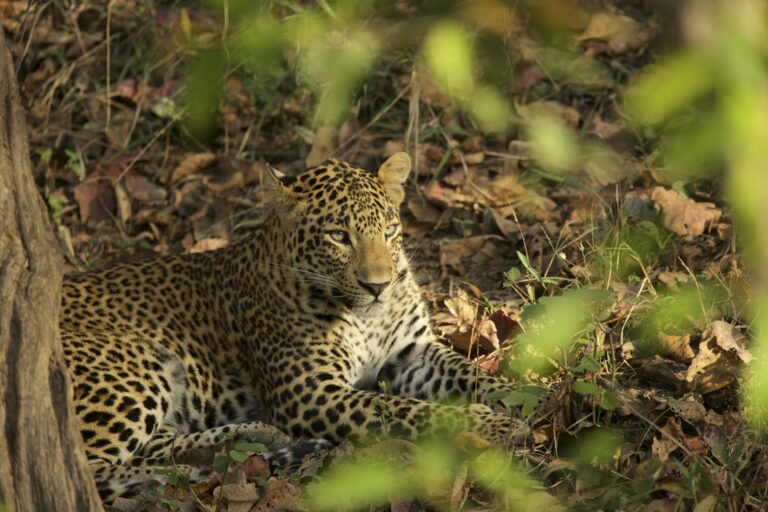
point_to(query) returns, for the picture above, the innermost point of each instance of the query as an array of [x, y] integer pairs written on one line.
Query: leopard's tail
[[291, 457]]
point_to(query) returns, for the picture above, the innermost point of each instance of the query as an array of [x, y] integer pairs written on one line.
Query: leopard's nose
[[374, 289]]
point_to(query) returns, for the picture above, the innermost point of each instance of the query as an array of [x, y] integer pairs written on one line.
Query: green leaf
[[529, 401], [608, 401], [497, 395], [532, 271], [251, 447], [220, 463], [586, 388], [511, 275], [708, 504], [238, 455], [587, 364]]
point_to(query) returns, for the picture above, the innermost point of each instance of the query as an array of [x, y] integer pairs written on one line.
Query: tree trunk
[[42, 461]]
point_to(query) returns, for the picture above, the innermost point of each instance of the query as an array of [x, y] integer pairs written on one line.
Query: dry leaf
[[662, 447], [423, 211], [689, 408], [672, 278], [728, 337], [256, 466], [123, 203], [221, 183], [682, 215], [393, 146], [659, 372], [279, 496], [492, 218], [141, 188], [130, 89], [192, 164], [466, 324], [674, 347], [239, 497], [119, 129], [323, 145], [665, 443], [554, 109], [620, 32], [452, 253], [208, 244], [96, 199], [722, 351], [429, 91], [348, 136], [605, 129], [438, 195]]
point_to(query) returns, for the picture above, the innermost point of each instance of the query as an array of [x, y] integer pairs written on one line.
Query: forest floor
[[650, 379]]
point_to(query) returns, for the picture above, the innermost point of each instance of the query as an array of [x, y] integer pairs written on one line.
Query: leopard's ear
[[277, 190], [393, 173]]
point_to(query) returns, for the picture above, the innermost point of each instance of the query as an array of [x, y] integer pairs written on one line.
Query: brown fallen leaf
[[671, 279], [438, 195], [621, 32], [208, 244], [605, 129], [238, 497], [123, 203], [348, 137], [659, 372], [429, 91], [192, 164], [256, 466], [130, 89], [689, 408], [587, 209], [663, 447], [323, 144], [119, 129], [224, 182], [728, 337], [682, 215], [393, 146], [96, 199], [714, 368], [493, 220], [141, 188], [121, 504], [675, 347], [466, 324], [454, 252], [427, 157], [537, 109], [279, 496], [423, 211]]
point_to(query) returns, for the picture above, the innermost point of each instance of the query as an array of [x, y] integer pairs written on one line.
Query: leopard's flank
[[289, 330]]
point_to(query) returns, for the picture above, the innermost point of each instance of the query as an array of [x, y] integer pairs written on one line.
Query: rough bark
[[42, 461]]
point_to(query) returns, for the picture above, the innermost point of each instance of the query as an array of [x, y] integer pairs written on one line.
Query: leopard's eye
[[391, 230], [339, 236]]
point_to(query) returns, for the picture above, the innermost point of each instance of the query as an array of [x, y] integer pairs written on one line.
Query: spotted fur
[[296, 325]]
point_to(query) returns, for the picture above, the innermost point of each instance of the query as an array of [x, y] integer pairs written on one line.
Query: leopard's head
[[342, 231]]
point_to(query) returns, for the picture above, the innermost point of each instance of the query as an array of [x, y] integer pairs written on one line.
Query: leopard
[[307, 332]]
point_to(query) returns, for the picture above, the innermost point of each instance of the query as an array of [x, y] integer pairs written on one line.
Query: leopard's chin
[[373, 308]]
